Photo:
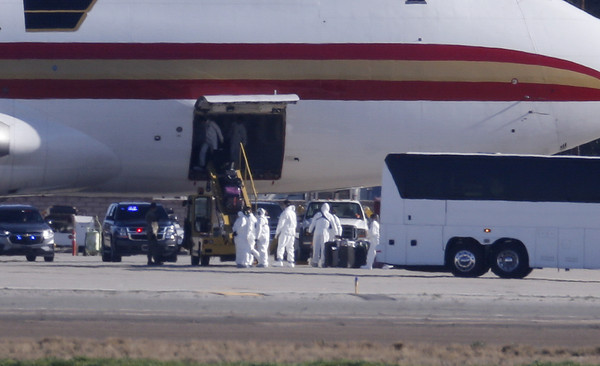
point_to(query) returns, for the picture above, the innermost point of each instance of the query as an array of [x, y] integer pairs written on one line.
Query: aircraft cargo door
[[221, 122]]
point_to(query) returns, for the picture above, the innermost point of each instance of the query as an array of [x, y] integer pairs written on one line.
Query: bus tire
[[467, 259], [509, 259]]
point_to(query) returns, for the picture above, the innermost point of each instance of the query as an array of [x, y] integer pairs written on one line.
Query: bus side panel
[[546, 248], [391, 242], [570, 249], [393, 245], [592, 249], [424, 246], [424, 212]]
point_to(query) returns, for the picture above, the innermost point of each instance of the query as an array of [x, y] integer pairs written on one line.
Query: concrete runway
[[83, 297]]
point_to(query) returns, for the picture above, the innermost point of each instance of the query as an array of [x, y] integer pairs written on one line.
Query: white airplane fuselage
[[107, 107]]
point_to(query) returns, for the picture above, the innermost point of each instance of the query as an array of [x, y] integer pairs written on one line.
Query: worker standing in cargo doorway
[[152, 233], [373, 238], [286, 229], [237, 136], [321, 224], [212, 137]]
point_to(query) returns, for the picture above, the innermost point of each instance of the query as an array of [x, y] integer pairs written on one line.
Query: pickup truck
[[351, 215]]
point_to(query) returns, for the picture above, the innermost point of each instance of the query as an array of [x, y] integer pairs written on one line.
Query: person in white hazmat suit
[[251, 237], [213, 137], [373, 238], [321, 223], [286, 230], [243, 234], [262, 239], [336, 226]]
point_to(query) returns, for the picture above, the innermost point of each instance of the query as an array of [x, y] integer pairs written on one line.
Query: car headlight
[[48, 234], [170, 232], [121, 232], [4, 233]]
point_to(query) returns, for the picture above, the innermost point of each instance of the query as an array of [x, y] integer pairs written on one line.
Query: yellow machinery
[[211, 214]]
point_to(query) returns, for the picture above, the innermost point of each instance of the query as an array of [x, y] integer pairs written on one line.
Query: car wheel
[[104, 251], [49, 259], [195, 260], [114, 257], [114, 254], [105, 255], [30, 257]]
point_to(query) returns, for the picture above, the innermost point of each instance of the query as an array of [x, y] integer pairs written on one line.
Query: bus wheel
[[467, 260], [510, 260]]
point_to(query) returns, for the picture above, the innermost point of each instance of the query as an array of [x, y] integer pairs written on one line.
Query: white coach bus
[[468, 213]]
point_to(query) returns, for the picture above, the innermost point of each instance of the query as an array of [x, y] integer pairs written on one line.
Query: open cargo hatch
[[260, 118]]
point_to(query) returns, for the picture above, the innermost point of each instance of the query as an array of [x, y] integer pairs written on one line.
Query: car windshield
[[343, 210], [21, 216], [60, 223], [136, 212]]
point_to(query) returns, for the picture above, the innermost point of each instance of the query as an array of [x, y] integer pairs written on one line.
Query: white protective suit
[[373, 238], [336, 226], [321, 224], [251, 239], [212, 140], [286, 229], [262, 238], [243, 230]]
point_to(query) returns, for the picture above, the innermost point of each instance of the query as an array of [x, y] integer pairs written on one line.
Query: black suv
[[23, 231], [124, 232]]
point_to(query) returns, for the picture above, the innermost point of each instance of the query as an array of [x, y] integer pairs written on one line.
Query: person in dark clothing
[[152, 232]]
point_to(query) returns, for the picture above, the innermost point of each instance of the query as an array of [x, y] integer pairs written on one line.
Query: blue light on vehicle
[[32, 237], [132, 208], [19, 237]]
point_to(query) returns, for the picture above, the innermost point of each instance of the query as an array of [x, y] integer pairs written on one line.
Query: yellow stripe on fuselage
[[381, 70]]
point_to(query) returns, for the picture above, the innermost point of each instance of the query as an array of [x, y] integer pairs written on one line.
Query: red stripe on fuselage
[[280, 51], [306, 90]]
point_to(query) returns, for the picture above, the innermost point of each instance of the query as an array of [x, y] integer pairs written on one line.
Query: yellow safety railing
[[248, 172]]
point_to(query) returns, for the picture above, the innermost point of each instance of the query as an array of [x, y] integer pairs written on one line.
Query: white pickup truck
[[351, 215]]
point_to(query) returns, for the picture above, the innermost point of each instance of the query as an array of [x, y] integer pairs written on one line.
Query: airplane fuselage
[[107, 105]]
